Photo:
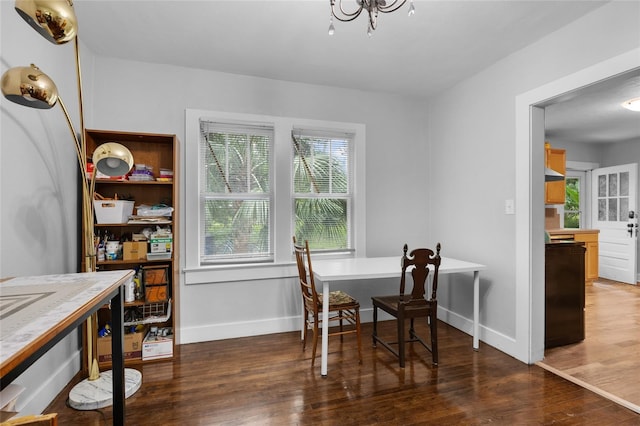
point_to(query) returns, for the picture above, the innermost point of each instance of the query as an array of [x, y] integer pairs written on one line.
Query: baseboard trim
[[43, 385], [211, 332]]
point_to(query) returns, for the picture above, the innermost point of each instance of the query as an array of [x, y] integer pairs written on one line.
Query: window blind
[[322, 189], [236, 195]]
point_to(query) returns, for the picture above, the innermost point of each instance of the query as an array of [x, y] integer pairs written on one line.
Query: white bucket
[[112, 250]]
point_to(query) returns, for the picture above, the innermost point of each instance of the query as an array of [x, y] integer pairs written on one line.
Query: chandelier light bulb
[[332, 29], [412, 10]]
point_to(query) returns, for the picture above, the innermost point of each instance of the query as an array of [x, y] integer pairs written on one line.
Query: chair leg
[[434, 336], [401, 339], [305, 324], [341, 335], [374, 334], [358, 335], [315, 337]]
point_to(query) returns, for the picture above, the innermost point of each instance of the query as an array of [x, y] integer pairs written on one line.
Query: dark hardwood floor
[[269, 380], [608, 360]]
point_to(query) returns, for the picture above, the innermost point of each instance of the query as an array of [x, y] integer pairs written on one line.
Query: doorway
[[530, 197]]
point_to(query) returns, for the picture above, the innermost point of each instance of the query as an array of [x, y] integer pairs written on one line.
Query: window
[[235, 192], [322, 189], [572, 217], [253, 181], [613, 197]]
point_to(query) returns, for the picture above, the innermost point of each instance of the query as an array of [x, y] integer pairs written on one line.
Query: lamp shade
[[30, 87], [112, 159], [55, 20]]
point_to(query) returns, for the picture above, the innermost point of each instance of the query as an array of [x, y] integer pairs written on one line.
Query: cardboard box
[[132, 347], [112, 211], [155, 275], [134, 250], [161, 244], [157, 347], [155, 293]]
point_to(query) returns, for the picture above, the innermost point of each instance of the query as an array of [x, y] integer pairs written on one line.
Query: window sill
[[229, 273], [249, 272]]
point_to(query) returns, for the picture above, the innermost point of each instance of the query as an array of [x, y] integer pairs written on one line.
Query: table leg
[[325, 328], [476, 310], [117, 365]]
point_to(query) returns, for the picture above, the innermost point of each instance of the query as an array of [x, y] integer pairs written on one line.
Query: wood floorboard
[[608, 360], [268, 380]]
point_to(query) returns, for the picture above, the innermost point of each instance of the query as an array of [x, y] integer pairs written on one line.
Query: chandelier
[[373, 7]]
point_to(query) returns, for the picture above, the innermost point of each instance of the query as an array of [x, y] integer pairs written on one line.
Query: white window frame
[[582, 170], [283, 263]]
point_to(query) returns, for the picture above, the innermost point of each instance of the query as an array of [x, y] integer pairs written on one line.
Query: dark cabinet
[[564, 293]]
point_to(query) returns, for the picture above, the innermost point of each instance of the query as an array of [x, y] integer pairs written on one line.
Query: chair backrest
[[307, 283], [420, 258]]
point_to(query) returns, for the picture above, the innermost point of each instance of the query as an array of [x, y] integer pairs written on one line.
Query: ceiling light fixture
[[373, 7], [632, 104]]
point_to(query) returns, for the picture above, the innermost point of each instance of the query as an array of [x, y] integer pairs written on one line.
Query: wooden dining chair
[[414, 305], [33, 420], [342, 307]]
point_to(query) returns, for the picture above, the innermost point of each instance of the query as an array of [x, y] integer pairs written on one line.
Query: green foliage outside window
[[321, 188], [237, 206], [572, 203]]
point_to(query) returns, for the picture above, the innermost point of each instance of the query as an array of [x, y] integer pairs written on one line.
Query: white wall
[[584, 152], [153, 98], [621, 153], [39, 225], [473, 135]]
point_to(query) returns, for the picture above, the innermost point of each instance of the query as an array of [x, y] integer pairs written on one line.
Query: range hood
[[551, 175]]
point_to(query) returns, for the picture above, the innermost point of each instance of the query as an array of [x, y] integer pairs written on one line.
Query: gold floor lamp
[[56, 21]]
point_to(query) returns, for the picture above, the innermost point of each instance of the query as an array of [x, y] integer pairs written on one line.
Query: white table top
[[379, 267], [34, 308]]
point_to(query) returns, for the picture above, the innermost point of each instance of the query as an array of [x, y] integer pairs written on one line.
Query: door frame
[[529, 186]]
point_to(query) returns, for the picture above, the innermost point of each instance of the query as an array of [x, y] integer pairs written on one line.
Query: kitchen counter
[[571, 231], [590, 239]]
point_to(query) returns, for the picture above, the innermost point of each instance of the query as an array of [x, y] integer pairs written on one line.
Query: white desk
[[365, 268], [37, 312]]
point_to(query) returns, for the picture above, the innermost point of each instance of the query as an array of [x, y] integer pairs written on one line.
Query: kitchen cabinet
[[564, 293], [555, 159], [589, 237], [590, 240], [154, 297]]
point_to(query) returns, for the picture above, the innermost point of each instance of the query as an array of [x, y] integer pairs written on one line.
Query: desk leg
[[325, 328], [117, 364], [476, 310]]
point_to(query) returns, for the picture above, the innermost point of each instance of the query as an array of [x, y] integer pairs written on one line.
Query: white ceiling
[[418, 56], [594, 114]]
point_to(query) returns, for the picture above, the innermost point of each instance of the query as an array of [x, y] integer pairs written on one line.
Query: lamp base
[[94, 394]]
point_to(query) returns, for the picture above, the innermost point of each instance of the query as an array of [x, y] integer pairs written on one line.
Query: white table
[[365, 268]]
